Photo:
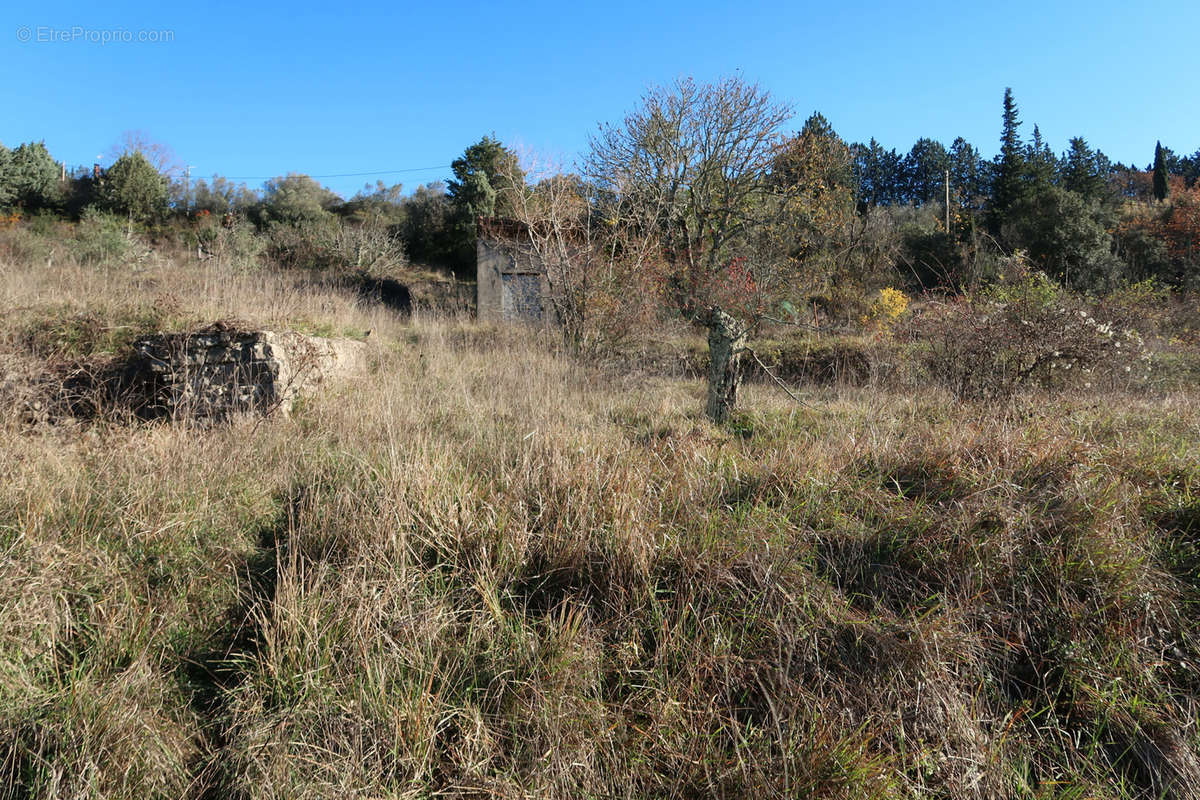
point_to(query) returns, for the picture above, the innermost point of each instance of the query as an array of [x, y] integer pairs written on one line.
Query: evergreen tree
[[487, 163], [1084, 171], [295, 199], [6, 190], [132, 186], [378, 204], [970, 175], [427, 227], [925, 169], [1160, 172], [879, 175], [815, 171], [1175, 164], [222, 196], [1040, 163], [486, 178], [1189, 168], [817, 158], [32, 177], [1010, 166], [1066, 237]]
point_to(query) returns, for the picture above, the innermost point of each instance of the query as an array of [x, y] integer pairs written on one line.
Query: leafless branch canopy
[[690, 161]]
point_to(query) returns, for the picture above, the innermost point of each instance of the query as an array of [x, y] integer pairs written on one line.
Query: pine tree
[[1084, 170], [879, 175], [925, 167], [969, 174], [31, 177], [1160, 172], [134, 187], [485, 163], [1010, 165], [6, 189], [1040, 162]]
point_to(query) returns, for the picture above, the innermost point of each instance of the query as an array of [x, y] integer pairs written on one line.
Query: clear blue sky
[[248, 89]]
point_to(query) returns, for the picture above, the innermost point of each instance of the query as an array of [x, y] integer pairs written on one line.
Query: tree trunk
[[726, 340]]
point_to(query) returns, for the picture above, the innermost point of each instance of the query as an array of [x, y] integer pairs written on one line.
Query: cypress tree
[[1160, 172]]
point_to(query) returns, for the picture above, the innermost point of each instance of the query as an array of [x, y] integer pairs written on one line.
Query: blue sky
[[246, 89]]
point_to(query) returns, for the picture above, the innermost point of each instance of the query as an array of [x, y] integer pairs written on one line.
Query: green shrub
[[297, 246], [100, 238], [1139, 306], [46, 223], [20, 244], [134, 188], [230, 239]]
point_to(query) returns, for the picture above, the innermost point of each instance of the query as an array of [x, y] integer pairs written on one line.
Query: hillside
[[489, 569]]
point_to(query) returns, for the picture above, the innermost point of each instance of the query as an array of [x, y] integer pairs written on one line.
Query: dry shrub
[[1011, 338], [337, 247]]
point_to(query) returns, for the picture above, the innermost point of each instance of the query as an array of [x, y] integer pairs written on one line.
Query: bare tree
[[160, 155], [692, 163]]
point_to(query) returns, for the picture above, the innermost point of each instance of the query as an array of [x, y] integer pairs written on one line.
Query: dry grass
[[489, 571], [57, 292]]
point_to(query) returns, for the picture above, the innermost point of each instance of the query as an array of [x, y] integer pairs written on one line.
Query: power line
[[337, 175]]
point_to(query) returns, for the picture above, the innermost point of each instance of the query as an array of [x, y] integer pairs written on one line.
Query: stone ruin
[[222, 370], [207, 375]]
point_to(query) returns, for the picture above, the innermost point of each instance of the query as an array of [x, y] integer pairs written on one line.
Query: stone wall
[[219, 371]]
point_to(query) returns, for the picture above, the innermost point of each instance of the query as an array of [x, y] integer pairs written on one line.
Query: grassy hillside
[[489, 570]]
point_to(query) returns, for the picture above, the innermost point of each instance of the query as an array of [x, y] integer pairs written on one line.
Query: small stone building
[[511, 285]]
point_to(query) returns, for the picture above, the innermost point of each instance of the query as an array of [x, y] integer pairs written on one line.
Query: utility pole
[[947, 201], [187, 188]]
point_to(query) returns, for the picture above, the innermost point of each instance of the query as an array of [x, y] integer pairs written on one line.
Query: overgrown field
[[490, 570]]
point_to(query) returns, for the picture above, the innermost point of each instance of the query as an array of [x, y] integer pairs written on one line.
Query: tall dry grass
[[487, 570], [43, 281]]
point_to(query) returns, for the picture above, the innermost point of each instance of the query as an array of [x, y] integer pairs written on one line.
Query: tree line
[[855, 216]]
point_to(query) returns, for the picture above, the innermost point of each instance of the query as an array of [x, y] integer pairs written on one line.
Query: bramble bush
[[1028, 334]]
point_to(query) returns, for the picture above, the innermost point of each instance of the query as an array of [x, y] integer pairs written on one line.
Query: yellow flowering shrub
[[886, 309]]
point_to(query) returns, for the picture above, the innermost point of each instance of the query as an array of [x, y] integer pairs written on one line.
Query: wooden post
[[947, 201], [726, 340]]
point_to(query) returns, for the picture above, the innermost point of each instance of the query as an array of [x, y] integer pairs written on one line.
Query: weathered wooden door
[[521, 297]]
